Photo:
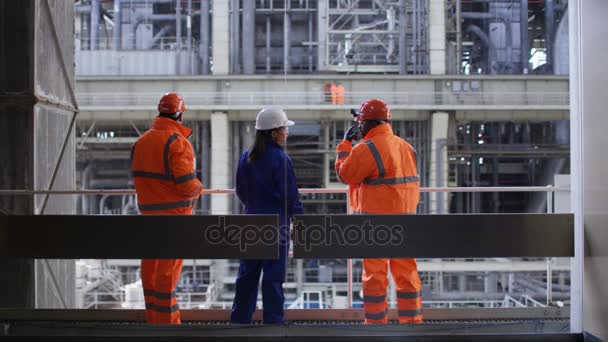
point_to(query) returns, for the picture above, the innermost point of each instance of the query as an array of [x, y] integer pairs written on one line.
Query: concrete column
[[220, 37], [220, 162], [437, 36], [34, 122], [248, 37], [321, 33], [439, 161], [588, 102]]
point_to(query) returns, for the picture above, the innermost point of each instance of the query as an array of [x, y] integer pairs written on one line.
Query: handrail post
[[550, 195], [349, 266]]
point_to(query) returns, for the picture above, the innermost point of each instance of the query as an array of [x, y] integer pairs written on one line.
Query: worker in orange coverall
[[166, 184], [382, 176], [340, 91]]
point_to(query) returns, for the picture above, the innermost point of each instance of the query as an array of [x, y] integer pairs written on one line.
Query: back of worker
[[266, 184], [391, 188], [381, 172], [162, 162]]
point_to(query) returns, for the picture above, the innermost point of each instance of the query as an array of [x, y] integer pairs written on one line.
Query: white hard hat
[[270, 118]]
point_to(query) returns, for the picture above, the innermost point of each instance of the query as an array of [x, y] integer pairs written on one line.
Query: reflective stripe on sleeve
[[154, 175], [185, 178], [391, 181], [165, 206]]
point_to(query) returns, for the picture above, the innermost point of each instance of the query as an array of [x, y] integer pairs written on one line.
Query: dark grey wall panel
[[16, 46], [35, 111], [434, 236], [136, 237]]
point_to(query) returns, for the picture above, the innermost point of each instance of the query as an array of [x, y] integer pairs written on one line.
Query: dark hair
[[259, 144]]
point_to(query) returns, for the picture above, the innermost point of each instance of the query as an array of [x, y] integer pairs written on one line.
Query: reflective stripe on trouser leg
[[409, 307], [375, 282], [407, 281], [380, 317], [148, 281], [375, 309], [167, 276]]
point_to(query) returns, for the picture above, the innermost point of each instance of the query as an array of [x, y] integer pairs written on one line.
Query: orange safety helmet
[[374, 109], [171, 103]]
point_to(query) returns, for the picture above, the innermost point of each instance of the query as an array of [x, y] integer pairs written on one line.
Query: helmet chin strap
[[176, 116]]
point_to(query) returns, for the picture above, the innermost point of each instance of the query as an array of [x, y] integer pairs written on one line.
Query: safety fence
[[350, 276]]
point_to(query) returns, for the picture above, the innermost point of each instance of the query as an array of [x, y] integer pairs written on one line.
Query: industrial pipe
[[525, 45], [549, 28], [248, 39], [117, 33], [204, 34], [153, 17], [95, 15], [505, 20], [178, 25], [474, 29], [159, 35], [402, 39]]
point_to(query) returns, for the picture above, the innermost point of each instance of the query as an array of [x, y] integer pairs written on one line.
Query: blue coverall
[[265, 186]]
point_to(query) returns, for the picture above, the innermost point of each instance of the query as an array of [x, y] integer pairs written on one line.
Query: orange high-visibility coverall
[[340, 94], [332, 90], [382, 177], [162, 161]]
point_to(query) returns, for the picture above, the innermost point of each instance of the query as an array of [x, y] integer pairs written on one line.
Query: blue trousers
[[272, 289]]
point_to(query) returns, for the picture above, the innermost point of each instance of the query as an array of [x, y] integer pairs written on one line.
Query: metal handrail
[[456, 98], [344, 190]]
